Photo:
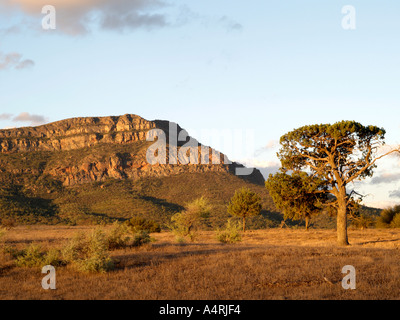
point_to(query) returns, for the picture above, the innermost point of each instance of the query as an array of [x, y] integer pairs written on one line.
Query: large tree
[[337, 154]]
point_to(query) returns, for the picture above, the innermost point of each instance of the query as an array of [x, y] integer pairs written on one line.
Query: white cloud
[[77, 16], [386, 178], [271, 145], [380, 204], [394, 194], [14, 61], [266, 167], [33, 119], [5, 116]]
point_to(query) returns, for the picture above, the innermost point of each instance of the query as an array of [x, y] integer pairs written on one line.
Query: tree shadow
[[378, 241], [143, 259], [24, 208]]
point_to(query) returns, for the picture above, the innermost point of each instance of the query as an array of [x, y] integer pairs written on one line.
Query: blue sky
[[260, 66]]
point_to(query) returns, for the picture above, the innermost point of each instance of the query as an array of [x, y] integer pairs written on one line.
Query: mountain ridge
[[90, 135]]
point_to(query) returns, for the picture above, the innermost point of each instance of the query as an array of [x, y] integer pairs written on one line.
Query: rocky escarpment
[[75, 134], [82, 150]]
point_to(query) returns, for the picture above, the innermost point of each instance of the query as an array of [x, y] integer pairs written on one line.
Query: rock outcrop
[[82, 150], [75, 134]]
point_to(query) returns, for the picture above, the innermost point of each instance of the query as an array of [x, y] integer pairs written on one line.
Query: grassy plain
[[267, 264]]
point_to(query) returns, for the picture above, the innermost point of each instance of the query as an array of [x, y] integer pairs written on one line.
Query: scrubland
[[267, 264]]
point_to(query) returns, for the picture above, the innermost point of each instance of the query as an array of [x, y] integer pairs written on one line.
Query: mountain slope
[[86, 170]]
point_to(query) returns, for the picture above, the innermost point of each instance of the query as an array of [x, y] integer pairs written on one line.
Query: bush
[[396, 221], [387, 216], [362, 221], [75, 248], [141, 224], [141, 238], [35, 256], [119, 236], [89, 253], [31, 257], [185, 223], [231, 233]]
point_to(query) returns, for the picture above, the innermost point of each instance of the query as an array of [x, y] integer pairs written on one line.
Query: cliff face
[[82, 150], [75, 134]]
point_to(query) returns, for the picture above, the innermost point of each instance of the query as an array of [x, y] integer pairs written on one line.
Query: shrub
[[231, 233], [31, 257], [387, 216], [362, 221], [53, 258], [89, 253], [396, 221], [141, 224], [185, 223], [74, 248], [119, 236], [141, 238], [35, 256]]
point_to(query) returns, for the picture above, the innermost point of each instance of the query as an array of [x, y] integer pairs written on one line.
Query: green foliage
[[31, 257], [18, 205], [310, 146], [141, 238], [231, 233], [53, 257], [362, 221], [396, 221], [141, 224], [35, 256], [185, 223], [245, 203], [344, 148], [297, 195], [119, 236], [387, 218], [89, 253]]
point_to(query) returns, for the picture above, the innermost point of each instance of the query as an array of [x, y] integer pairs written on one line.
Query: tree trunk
[[307, 220], [342, 239], [244, 224]]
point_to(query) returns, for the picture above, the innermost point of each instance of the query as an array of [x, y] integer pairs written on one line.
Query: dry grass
[[267, 264]]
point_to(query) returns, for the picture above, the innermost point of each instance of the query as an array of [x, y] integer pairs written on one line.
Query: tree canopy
[[298, 196]]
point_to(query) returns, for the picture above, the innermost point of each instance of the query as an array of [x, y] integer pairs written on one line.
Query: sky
[[252, 70]]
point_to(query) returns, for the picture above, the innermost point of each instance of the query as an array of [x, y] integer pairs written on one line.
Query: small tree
[[298, 196], [244, 203], [185, 222]]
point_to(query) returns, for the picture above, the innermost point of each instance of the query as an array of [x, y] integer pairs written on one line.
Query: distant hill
[[92, 170]]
